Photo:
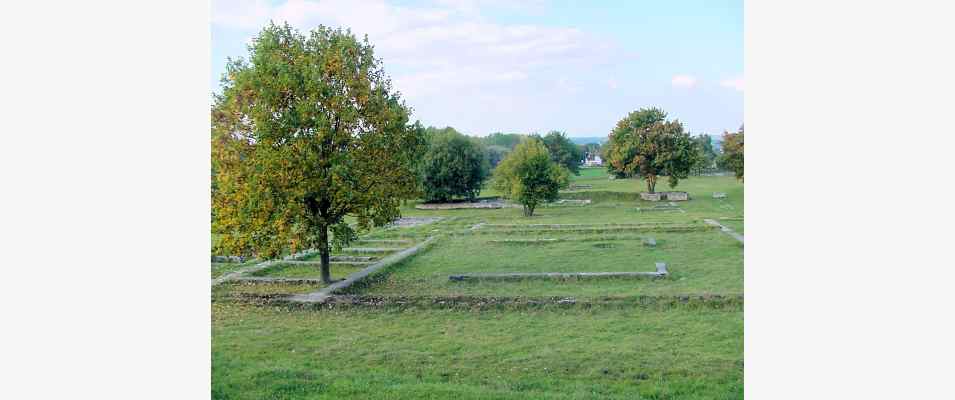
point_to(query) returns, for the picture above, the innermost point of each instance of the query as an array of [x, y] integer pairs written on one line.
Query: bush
[[529, 177], [454, 166]]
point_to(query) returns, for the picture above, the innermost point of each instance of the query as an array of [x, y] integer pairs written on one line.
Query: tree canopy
[[563, 151], [527, 175], [645, 144], [454, 166], [506, 140], [305, 133], [495, 154], [732, 157]]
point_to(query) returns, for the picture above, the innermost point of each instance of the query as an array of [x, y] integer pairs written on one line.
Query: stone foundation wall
[[651, 196], [677, 196]]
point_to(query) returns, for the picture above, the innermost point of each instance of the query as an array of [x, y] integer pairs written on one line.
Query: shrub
[[454, 166], [529, 177]]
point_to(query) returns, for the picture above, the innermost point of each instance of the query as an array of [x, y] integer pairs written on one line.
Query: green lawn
[[699, 263], [338, 271], [259, 288], [265, 352], [577, 352], [615, 201], [219, 269]]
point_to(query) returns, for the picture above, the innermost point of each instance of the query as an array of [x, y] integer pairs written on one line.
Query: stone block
[[677, 196], [651, 196]]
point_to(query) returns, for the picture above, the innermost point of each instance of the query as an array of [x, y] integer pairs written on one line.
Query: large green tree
[[563, 151], [305, 133], [529, 176], [454, 166], [732, 157], [645, 144]]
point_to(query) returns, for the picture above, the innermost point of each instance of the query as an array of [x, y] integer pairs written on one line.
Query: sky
[[485, 66]]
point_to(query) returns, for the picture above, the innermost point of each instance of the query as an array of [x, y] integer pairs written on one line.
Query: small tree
[[732, 157], [645, 144], [306, 133], [454, 165], [563, 151], [528, 176]]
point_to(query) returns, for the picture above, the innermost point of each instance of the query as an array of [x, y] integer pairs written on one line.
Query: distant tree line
[[456, 166]]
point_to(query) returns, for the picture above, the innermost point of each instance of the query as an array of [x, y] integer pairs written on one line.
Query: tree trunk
[[528, 210], [651, 183], [323, 251]]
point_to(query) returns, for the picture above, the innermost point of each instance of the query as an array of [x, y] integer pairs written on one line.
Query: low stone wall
[[708, 301], [262, 265], [651, 196], [323, 294], [659, 273], [725, 230], [319, 263], [229, 259], [409, 222], [526, 241], [457, 206], [661, 207], [677, 196], [568, 202], [671, 196], [646, 228]]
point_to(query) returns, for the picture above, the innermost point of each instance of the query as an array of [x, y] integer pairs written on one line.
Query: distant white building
[[593, 160]]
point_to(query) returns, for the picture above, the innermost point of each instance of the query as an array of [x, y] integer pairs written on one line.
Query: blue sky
[[531, 66]]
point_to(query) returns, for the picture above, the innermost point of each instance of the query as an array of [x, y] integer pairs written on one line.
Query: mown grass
[[614, 201], [576, 352], [734, 225], [271, 352], [219, 269], [698, 262], [338, 271], [232, 288]]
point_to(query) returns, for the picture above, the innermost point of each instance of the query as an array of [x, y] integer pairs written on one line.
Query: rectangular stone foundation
[[659, 273]]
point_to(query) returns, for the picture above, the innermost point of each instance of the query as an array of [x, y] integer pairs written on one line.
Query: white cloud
[[243, 14], [684, 81], [447, 47], [735, 83]]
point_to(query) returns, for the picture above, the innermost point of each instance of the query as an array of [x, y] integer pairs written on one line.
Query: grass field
[[699, 262], [520, 352], [261, 352], [222, 268]]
